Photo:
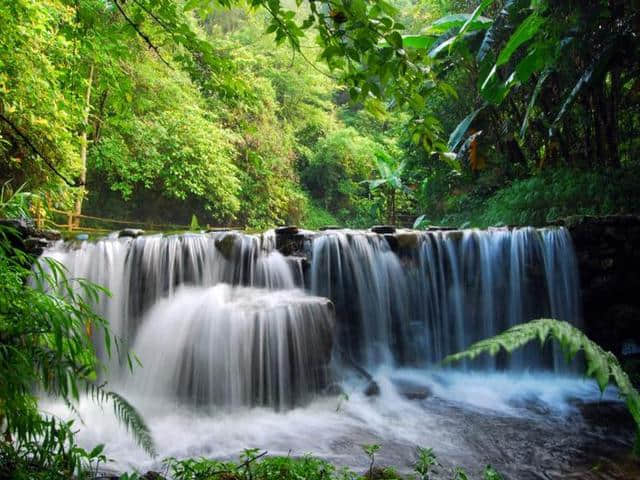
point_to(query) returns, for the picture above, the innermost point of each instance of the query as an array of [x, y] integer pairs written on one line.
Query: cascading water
[[234, 346], [240, 343], [406, 299], [442, 291]]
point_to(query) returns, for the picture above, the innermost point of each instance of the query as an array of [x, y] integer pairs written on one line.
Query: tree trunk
[[83, 149]]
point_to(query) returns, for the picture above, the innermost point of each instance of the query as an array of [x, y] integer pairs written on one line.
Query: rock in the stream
[[411, 390], [373, 389], [226, 244], [333, 389], [51, 235], [131, 232], [287, 230], [150, 475], [35, 245]]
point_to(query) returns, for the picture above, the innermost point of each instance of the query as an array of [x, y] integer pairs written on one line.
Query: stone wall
[[608, 252]]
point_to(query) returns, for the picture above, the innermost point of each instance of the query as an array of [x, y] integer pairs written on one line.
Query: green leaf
[[191, 4], [525, 32], [418, 41], [532, 102], [472, 18], [458, 20], [500, 23], [456, 136]]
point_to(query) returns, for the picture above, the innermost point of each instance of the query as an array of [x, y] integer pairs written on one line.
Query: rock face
[[608, 253], [293, 242]]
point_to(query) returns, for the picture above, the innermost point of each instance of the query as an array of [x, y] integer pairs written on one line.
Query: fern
[[601, 365], [127, 415]]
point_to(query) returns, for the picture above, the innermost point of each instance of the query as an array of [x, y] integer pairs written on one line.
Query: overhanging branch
[[30, 144], [141, 34]]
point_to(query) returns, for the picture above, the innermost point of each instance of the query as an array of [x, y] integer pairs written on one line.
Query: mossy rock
[[226, 245]]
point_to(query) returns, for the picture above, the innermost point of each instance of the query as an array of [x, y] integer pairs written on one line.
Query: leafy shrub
[[549, 196], [316, 217]]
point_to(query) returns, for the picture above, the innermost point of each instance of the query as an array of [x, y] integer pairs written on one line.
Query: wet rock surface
[[130, 232], [24, 236], [608, 254]]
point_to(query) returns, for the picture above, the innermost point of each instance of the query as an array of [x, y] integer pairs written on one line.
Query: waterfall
[[234, 347], [225, 319], [441, 291]]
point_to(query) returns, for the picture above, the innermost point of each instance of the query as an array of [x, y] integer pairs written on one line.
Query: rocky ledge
[[26, 237]]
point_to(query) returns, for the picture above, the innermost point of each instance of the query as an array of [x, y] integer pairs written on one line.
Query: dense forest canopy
[[345, 112]]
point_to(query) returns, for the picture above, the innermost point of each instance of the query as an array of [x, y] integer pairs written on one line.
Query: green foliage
[[54, 455], [341, 161], [601, 365], [556, 194], [389, 180], [15, 204], [370, 451], [316, 217], [252, 466], [45, 319], [490, 473], [425, 462]]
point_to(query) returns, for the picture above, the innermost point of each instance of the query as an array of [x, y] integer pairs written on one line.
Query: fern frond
[[133, 422], [601, 365], [127, 415]]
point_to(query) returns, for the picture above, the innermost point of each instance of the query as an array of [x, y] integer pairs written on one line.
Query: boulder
[[35, 245], [226, 245], [372, 389], [287, 230], [131, 232], [412, 390], [383, 229], [51, 235]]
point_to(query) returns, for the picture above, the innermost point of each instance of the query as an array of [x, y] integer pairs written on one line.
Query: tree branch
[[141, 33], [30, 144]]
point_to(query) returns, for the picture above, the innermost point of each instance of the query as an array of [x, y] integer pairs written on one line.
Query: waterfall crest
[[226, 319]]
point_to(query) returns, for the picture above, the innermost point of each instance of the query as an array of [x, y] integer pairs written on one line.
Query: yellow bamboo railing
[[73, 223]]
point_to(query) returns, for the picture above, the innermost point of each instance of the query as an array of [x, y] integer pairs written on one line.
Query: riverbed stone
[[411, 390], [226, 244], [372, 389]]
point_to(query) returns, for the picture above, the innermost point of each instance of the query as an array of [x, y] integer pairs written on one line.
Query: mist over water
[[243, 347]]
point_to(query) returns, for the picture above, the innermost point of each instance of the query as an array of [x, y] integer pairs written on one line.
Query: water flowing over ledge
[[400, 300]]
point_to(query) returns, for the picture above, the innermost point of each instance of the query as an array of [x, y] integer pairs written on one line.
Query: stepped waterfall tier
[[402, 300], [441, 291], [235, 346]]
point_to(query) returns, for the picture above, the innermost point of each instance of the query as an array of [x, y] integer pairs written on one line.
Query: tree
[[389, 181]]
